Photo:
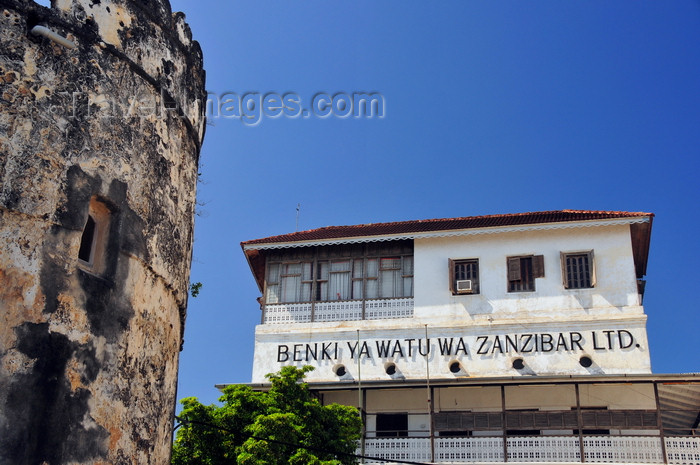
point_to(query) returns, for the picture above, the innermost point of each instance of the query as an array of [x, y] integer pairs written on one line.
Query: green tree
[[285, 425]]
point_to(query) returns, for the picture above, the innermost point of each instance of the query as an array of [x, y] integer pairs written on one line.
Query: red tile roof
[[640, 233], [446, 224]]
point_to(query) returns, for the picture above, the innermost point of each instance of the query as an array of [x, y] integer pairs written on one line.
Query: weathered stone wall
[[88, 354]]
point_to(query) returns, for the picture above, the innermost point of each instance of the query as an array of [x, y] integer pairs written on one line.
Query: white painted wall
[[612, 396], [615, 291], [471, 398]]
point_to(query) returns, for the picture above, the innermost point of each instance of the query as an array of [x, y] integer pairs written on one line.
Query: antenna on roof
[[298, 208]]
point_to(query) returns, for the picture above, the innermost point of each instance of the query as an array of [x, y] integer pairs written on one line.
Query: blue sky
[[490, 107]]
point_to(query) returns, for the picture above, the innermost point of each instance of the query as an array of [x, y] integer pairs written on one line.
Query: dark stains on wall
[[49, 419]]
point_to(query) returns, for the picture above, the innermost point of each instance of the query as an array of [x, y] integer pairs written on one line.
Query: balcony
[[611, 420], [343, 310], [561, 449]]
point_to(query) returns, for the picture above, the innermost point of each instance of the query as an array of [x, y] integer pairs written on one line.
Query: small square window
[[522, 272], [577, 270], [464, 276]]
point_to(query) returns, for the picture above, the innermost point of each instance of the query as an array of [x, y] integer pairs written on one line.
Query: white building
[[518, 338]]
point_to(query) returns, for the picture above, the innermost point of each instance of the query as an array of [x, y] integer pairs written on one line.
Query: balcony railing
[[345, 310], [601, 449]]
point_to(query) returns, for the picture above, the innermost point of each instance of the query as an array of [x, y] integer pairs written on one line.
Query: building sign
[[484, 345]]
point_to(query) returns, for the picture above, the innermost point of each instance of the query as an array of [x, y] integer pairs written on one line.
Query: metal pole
[[430, 397], [579, 420], [359, 399], [659, 421], [503, 416]]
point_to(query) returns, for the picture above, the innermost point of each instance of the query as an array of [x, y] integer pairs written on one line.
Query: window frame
[[453, 264], [394, 419], [534, 267], [590, 257], [367, 274], [96, 245]]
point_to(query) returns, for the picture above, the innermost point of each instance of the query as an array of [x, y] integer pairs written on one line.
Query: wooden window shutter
[[451, 276], [514, 269], [538, 266], [564, 272]]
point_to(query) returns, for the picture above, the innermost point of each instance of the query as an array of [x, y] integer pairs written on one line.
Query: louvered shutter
[[514, 269], [538, 266]]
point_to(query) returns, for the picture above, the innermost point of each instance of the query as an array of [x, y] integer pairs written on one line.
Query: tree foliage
[[285, 425], [195, 288]]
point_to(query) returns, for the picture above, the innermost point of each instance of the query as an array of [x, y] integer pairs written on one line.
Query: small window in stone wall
[[87, 241], [93, 241]]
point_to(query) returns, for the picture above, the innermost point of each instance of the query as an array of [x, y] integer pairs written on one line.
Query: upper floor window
[[290, 282], [464, 276], [366, 271], [522, 272], [577, 270]]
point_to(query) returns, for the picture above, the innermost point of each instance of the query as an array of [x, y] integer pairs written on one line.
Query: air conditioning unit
[[464, 286]]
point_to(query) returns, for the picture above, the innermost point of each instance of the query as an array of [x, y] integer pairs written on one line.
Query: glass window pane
[[391, 285], [357, 269], [323, 290], [340, 265], [272, 296], [291, 288], [473, 271], [305, 292], [372, 289], [306, 271], [357, 289], [372, 268], [322, 270], [408, 265], [339, 286], [390, 263], [578, 271], [273, 273], [407, 287], [292, 268]]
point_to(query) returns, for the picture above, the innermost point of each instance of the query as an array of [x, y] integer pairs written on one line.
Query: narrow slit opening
[[87, 240]]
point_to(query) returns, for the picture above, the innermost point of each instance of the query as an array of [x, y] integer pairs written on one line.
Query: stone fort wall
[[99, 148]]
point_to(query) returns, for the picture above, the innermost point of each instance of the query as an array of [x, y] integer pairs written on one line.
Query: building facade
[[479, 339], [101, 122]]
